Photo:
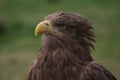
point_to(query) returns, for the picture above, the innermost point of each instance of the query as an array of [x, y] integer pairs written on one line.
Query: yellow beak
[[43, 27]]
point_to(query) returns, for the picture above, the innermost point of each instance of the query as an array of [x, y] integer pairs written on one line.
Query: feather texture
[[67, 56]]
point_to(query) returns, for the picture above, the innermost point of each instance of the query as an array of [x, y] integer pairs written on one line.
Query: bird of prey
[[65, 53]]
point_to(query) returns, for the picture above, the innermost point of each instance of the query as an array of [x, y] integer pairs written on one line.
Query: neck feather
[[65, 47]]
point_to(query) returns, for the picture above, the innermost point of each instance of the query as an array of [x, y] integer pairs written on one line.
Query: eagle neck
[[53, 46]]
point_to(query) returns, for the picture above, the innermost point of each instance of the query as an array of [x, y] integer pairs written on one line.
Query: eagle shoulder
[[95, 71], [33, 71]]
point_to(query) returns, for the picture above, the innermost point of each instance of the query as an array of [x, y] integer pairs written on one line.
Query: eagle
[[67, 41]]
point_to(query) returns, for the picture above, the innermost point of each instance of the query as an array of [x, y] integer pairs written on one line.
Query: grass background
[[18, 18]]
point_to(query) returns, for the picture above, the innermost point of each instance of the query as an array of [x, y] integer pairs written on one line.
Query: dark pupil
[[47, 24]]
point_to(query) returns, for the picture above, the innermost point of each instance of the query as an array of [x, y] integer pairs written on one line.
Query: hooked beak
[[43, 27]]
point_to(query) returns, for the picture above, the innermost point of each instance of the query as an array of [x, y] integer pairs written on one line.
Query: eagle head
[[67, 25]]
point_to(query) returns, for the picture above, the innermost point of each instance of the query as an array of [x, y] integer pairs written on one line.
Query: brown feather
[[67, 56]]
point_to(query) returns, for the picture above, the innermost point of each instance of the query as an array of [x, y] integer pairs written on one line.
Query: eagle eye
[[62, 27]]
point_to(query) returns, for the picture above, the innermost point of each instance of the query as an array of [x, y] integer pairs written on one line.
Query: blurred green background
[[18, 18]]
